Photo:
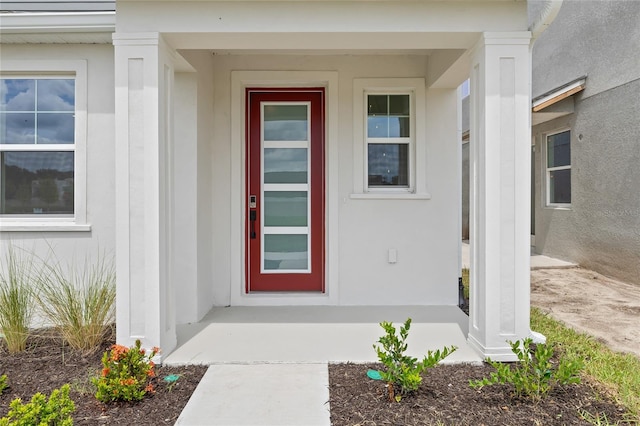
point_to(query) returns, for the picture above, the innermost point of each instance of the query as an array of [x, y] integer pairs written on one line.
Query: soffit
[[322, 43], [330, 1], [56, 38], [57, 5], [57, 27], [322, 52]]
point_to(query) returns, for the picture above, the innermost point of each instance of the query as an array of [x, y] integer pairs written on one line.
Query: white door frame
[[240, 80]]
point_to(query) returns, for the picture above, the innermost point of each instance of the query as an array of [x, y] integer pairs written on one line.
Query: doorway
[[285, 192]]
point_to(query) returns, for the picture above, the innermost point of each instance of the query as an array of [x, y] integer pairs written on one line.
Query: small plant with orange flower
[[127, 374]]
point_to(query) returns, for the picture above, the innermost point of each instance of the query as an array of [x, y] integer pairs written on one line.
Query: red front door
[[285, 190]]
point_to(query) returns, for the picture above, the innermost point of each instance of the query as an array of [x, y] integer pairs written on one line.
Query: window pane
[[56, 94], [285, 252], [37, 111], [378, 105], [560, 186], [399, 104], [285, 122], [17, 94], [36, 182], [56, 128], [388, 116], [559, 149], [17, 128], [285, 165], [378, 127], [388, 165], [285, 208], [399, 127]]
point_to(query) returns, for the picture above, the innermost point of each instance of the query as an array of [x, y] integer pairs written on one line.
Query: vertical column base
[[501, 354], [538, 338]]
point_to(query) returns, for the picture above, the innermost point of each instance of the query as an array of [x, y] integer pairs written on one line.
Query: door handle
[[252, 218], [253, 203], [252, 215]]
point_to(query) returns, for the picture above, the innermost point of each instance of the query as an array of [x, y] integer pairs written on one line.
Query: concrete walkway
[[268, 365], [315, 334], [260, 395], [538, 261]]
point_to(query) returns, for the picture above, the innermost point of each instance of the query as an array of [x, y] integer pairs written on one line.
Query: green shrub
[[403, 371], [79, 301], [465, 282], [126, 374], [16, 299], [534, 375], [3, 383], [56, 411]]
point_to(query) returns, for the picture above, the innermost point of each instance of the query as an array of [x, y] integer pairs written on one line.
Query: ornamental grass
[[16, 298], [79, 300]]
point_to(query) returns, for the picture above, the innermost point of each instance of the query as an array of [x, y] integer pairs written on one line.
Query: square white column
[[500, 193], [144, 290]]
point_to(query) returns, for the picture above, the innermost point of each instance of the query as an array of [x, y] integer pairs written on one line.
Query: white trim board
[[240, 80]]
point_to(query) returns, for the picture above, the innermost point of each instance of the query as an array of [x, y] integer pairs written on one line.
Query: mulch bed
[[445, 398], [48, 364]]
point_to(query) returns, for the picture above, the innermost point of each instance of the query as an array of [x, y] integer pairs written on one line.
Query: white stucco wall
[[423, 231], [100, 196], [193, 173]]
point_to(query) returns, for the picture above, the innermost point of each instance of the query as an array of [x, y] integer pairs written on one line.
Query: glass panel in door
[[285, 188]]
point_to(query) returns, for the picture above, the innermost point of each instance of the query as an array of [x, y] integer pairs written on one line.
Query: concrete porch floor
[[315, 334]]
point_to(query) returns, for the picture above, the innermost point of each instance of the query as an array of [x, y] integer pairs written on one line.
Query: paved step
[[260, 395]]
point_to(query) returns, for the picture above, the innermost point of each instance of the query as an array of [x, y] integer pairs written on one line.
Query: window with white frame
[[37, 146], [43, 138], [390, 144], [388, 139], [558, 168]]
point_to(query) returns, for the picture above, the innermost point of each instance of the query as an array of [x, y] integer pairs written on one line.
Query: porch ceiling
[[320, 52], [259, 42]]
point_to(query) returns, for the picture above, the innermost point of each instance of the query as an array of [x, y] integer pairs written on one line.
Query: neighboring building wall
[[100, 197], [601, 228]]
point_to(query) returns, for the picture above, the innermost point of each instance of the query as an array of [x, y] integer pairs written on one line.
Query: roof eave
[[556, 95], [57, 22]]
